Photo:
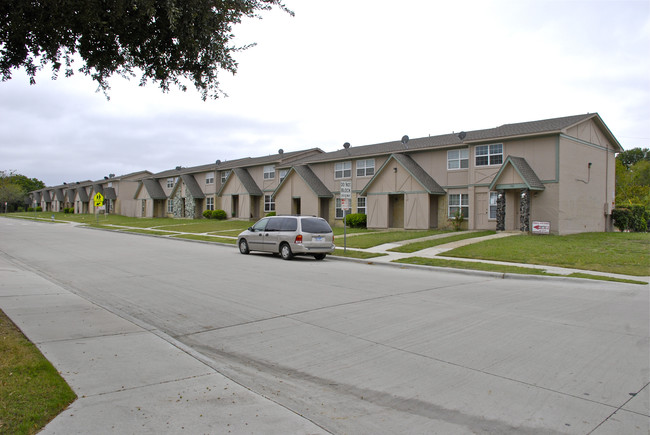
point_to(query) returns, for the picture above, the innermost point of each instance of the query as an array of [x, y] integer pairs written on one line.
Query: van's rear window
[[310, 225]]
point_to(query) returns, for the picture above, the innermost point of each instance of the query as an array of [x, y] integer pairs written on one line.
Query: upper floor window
[[209, 178], [489, 154], [170, 183], [343, 170], [269, 172], [458, 159], [283, 174], [365, 168], [224, 176]]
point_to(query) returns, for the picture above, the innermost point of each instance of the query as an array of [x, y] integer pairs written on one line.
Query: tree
[[166, 40], [15, 187], [633, 178], [630, 157]]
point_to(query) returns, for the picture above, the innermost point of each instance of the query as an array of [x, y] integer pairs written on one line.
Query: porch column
[[524, 211], [501, 210]]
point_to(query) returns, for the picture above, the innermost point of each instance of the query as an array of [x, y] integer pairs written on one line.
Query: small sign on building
[[541, 227]]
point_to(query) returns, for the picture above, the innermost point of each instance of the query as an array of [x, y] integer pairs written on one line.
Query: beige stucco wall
[[295, 187]]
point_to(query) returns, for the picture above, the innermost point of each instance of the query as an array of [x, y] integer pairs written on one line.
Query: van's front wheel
[[320, 256], [285, 252], [243, 247]]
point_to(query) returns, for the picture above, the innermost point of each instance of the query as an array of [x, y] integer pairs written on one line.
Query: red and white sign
[[541, 227]]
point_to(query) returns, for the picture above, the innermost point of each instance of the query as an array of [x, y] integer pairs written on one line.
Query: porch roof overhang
[[528, 179], [246, 180], [153, 188], [416, 171], [193, 186]]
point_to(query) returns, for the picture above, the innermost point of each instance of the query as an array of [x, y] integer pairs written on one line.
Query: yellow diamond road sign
[[99, 199]]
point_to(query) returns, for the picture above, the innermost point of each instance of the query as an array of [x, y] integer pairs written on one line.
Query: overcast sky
[[362, 71]]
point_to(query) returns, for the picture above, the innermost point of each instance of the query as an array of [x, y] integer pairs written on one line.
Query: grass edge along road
[[32, 392]]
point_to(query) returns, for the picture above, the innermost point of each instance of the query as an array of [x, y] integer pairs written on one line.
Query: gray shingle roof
[[83, 195], [109, 193], [97, 188], [59, 195], [37, 196], [312, 180], [247, 181], [547, 126], [416, 171], [192, 185], [46, 196], [529, 177], [153, 189]]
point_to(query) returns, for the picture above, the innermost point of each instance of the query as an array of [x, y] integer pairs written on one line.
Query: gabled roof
[[506, 131], [83, 195], [97, 188], [530, 179], [109, 193], [310, 179], [37, 196], [153, 189], [192, 185], [246, 180], [59, 195], [46, 196], [415, 170]]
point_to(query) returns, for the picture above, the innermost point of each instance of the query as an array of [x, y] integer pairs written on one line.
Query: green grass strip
[[379, 238], [150, 232], [471, 265], [453, 237], [31, 390], [605, 278], [350, 253], [206, 238]]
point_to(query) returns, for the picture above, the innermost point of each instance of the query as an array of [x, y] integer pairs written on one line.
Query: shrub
[[636, 218], [621, 218], [39, 208], [219, 214], [20, 209], [271, 213], [30, 208], [207, 214], [356, 220], [638, 222]]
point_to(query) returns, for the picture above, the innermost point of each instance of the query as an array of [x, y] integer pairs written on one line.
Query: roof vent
[[178, 168], [105, 178], [462, 135], [405, 140], [218, 162], [280, 151], [346, 145]]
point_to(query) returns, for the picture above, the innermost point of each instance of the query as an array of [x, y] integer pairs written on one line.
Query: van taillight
[[298, 239]]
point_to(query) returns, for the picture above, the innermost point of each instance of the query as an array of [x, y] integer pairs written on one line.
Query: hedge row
[[215, 214], [634, 218]]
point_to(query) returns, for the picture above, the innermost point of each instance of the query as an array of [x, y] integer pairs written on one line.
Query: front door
[[481, 210], [396, 211]]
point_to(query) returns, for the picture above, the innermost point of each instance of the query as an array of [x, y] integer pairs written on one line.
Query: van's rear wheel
[[320, 256], [285, 252]]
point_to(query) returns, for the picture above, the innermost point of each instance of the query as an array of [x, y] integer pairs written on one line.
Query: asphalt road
[[357, 348]]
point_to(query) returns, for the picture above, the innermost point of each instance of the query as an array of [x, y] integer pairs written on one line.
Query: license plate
[[318, 238]]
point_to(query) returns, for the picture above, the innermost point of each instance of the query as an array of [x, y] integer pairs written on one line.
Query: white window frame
[[224, 176], [362, 205], [209, 178], [170, 206], [338, 208], [366, 168], [170, 183], [209, 203], [492, 207], [458, 159], [457, 201], [269, 172], [489, 155], [269, 204], [342, 170], [283, 174]]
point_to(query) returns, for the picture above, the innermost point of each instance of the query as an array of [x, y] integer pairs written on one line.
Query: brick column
[[501, 210], [524, 211]]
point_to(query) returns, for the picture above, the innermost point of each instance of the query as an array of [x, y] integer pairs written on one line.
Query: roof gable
[[419, 175], [527, 177], [311, 180], [246, 180]]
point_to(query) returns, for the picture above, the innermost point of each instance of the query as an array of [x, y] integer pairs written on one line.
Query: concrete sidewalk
[[100, 354]]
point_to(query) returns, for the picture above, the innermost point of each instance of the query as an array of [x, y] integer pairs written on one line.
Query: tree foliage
[[15, 187], [633, 178], [167, 41]]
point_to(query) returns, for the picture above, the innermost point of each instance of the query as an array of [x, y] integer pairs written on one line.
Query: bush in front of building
[[356, 220], [219, 215], [271, 213], [635, 218], [207, 214]]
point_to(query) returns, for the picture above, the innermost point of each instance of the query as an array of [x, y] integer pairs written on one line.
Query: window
[[493, 205], [489, 154], [283, 174], [269, 172], [170, 183], [339, 210], [361, 204], [343, 170], [458, 159], [459, 201], [209, 203], [224, 176], [365, 168], [170, 206], [269, 203], [209, 178]]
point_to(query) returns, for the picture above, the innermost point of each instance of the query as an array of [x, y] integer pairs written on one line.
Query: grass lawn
[[349, 253], [31, 390], [369, 240], [215, 239], [624, 253], [453, 237]]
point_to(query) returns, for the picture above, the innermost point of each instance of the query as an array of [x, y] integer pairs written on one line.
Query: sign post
[[346, 198], [99, 201]]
